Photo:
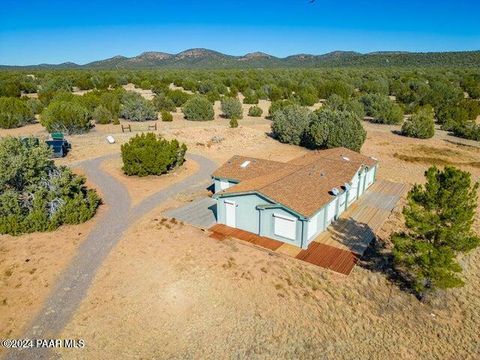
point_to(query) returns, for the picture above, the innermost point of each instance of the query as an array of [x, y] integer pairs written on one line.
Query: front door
[[230, 209]]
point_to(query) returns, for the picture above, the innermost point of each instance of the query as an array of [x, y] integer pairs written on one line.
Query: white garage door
[[230, 209], [370, 176], [285, 226], [312, 226]]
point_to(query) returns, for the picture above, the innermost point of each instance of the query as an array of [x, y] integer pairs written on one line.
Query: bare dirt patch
[[180, 294], [139, 188]]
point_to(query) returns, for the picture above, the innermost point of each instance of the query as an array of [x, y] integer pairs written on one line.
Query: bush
[[233, 122], [198, 108], [35, 105], [167, 116], [101, 115], [178, 97], [137, 108], [65, 116], [232, 108], [290, 123], [335, 102], [255, 111], [14, 113], [329, 129], [420, 125], [469, 130], [250, 97], [111, 101], [35, 194], [279, 105], [146, 154], [163, 103], [382, 109]]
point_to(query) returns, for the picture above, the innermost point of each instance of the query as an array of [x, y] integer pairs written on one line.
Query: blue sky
[[46, 31]]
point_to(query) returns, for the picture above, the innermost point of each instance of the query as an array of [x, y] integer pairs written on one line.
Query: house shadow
[[213, 209], [360, 238]]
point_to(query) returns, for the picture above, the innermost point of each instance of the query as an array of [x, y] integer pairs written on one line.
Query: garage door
[[370, 176], [285, 226], [230, 210]]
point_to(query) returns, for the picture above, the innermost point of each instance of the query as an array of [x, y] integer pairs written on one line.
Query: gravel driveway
[[72, 285]]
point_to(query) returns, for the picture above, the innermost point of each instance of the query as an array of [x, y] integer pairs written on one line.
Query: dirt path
[[73, 284]]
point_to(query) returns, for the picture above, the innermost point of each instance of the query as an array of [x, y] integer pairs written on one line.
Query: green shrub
[[279, 105], [167, 116], [101, 115], [255, 111], [469, 130], [329, 129], [146, 154], [250, 97], [163, 103], [382, 109], [198, 108], [137, 108], [178, 97], [232, 108], [338, 87], [420, 125], [290, 123], [233, 122], [65, 116], [335, 102], [111, 101], [14, 113], [10, 88], [35, 105], [35, 194]]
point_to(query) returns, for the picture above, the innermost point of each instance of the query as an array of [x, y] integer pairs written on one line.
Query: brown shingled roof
[[304, 184]]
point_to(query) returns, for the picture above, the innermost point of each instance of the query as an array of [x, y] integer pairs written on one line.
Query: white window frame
[[288, 232]]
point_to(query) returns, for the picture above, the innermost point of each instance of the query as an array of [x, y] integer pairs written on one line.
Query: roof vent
[[347, 186], [373, 158], [345, 158], [335, 191], [245, 164]]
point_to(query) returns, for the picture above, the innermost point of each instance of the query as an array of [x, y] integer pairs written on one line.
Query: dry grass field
[[168, 291]]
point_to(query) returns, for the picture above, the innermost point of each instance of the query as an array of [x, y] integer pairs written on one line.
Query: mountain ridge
[[206, 58]]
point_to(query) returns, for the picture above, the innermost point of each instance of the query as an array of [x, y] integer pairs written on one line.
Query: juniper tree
[[439, 217]]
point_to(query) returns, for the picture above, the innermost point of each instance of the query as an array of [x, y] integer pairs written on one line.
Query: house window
[[285, 226]]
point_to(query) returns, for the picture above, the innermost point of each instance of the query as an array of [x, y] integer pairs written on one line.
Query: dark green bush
[[136, 108], [420, 125], [35, 105], [232, 108], [163, 103], [382, 109], [233, 122], [329, 129], [146, 154], [35, 194], [14, 113], [468, 130], [289, 124], [250, 97], [335, 102], [279, 105], [167, 116], [65, 116], [255, 111], [178, 97], [101, 115], [198, 108]]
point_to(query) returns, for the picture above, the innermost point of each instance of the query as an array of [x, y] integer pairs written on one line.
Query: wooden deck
[[343, 244], [221, 232]]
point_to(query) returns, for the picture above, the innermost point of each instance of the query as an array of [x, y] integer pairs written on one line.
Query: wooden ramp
[[329, 257], [221, 232]]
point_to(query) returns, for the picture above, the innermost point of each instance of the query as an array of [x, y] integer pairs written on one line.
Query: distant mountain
[[205, 58]]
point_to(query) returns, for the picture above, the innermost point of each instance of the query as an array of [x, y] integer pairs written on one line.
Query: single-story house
[[291, 201]]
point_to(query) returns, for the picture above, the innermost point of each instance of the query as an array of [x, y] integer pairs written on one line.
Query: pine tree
[[439, 218]]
